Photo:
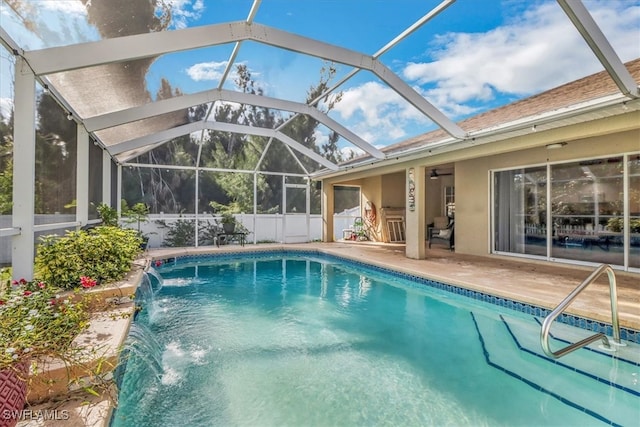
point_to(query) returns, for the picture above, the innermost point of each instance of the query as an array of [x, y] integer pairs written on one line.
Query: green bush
[[617, 225], [108, 215], [181, 233], [103, 253]]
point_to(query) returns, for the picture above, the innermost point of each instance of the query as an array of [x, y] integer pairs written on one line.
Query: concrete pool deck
[[538, 283]]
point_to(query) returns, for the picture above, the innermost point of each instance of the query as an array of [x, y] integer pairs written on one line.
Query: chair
[[443, 229]]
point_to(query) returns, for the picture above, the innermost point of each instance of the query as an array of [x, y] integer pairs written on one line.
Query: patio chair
[[443, 229]]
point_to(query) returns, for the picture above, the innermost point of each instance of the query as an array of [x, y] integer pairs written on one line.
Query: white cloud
[[347, 152], [321, 137], [207, 71], [528, 55], [72, 7], [185, 11], [376, 112]]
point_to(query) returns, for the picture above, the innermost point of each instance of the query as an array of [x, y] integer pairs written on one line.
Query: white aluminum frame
[[35, 65]]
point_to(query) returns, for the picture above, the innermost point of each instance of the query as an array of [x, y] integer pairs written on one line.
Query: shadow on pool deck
[[535, 282]]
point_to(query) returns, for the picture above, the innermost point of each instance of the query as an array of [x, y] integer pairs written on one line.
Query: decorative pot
[[229, 227], [145, 243], [13, 393]]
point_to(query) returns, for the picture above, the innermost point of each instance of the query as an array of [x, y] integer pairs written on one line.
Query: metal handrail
[[546, 325]]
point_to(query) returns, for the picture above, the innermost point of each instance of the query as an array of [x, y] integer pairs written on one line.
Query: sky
[[474, 56]]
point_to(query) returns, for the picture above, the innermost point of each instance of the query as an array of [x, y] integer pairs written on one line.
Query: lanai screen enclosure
[[275, 100]]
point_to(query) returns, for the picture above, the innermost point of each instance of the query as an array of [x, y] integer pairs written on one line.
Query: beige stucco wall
[[393, 190]]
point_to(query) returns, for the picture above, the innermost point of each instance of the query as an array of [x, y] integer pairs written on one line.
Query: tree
[[160, 189], [6, 166], [243, 152], [56, 153], [173, 191]]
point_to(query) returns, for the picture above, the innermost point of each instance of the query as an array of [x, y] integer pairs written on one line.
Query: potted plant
[[35, 323], [227, 218], [228, 222]]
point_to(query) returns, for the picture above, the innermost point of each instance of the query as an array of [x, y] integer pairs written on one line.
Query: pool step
[[560, 379], [619, 368]]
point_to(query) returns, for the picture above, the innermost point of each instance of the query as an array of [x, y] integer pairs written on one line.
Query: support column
[[308, 208], [327, 212], [24, 176], [106, 177], [119, 191], [82, 176], [415, 221], [284, 209], [196, 201], [255, 206]]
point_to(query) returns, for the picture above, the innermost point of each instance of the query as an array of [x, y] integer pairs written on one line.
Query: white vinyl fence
[[267, 227]]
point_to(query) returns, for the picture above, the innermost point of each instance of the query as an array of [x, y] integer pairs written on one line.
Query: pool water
[[293, 341]]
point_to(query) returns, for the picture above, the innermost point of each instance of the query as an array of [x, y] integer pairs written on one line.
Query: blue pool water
[[294, 341]]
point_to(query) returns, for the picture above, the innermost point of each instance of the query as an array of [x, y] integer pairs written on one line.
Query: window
[[449, 202]]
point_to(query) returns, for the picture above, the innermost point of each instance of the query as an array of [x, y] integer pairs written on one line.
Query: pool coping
[[576, 319]]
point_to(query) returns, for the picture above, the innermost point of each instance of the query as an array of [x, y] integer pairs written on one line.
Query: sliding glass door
[[520, 211], [634, 210], [587, 210], [583, 214]]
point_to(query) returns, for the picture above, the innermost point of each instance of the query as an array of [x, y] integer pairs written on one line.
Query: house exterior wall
[[472, 206], [393, 190], [472, 180], [472, 165]]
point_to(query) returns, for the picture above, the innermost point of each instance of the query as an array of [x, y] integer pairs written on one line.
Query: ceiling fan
[[435, 175]]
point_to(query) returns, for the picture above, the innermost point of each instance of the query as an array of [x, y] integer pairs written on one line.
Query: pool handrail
[[546, 325]]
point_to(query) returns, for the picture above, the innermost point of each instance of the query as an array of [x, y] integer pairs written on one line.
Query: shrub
[[137, 214], [617, 225], [35, 322], [108, 215], [104, 253], [181, 233]]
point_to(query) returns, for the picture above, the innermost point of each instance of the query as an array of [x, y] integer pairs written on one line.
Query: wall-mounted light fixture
[[69, 116], [555, 145]]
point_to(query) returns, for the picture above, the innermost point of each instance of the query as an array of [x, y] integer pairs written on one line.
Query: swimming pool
[[286, 339]]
